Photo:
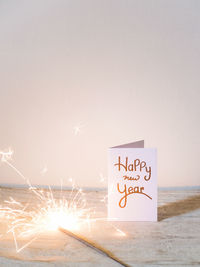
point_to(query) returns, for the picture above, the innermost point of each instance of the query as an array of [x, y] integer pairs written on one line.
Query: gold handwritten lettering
[[137, 165], [130, 178], [131, 190]]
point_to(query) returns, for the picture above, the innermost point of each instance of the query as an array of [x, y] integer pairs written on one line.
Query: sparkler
[[93, 245], [50, 214]]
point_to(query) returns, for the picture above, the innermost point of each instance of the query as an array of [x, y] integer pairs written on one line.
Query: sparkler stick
[[93, 246], [50, 214]]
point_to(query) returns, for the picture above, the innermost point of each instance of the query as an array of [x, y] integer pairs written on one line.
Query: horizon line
[[93, 188]]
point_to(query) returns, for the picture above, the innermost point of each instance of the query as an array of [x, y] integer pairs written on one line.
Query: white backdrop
[[119, 70]]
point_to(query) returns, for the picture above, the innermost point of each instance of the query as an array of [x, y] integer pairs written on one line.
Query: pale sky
[[120, 70]]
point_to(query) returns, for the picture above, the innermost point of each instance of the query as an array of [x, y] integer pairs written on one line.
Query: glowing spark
[[48, 215], [111, 191], [5, 156], [102, 178], [70, 180], [44, 170], [68, 213], [77, 129], [119, 231]]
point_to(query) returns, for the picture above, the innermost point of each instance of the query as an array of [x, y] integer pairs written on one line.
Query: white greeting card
[[132, 183]]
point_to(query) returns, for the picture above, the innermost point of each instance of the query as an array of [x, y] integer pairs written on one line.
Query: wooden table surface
[[172, 241]]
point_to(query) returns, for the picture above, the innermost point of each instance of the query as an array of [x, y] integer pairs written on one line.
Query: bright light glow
[[44, 170], [6, 155], [56, 219], [51, 213], [78, 128]]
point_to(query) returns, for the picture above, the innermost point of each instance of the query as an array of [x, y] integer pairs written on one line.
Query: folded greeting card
[[132, 183]]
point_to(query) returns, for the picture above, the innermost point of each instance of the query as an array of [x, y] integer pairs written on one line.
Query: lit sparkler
[[50, 214]]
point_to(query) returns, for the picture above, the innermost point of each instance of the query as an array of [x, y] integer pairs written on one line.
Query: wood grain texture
[[172, 241]]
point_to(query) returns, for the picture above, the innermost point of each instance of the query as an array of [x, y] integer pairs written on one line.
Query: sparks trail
[[94, 246], [49, 214], [5, 157]]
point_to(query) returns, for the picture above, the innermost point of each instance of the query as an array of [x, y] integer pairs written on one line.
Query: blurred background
[[77, 77]]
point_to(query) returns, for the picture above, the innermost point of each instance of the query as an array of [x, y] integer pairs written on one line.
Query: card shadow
[[178, 207]]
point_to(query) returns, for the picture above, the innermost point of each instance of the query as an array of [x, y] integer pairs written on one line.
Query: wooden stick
[[94, 246]]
